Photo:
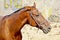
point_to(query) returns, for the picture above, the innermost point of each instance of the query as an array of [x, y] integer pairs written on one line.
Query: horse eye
[[37, 15]]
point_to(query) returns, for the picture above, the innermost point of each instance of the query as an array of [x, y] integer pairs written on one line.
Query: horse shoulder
[[5, 33]]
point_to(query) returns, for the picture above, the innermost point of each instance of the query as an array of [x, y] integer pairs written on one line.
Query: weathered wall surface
[[50, 9], [32, 33]]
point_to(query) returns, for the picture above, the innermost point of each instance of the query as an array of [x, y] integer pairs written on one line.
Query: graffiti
[[10, 3], [54, 18]]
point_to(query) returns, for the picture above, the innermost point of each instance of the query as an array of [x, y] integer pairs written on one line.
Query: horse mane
[[19, 10], [16, 12], [13, 13]]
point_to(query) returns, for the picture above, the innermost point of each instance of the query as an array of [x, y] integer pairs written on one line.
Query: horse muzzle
[[46, 30]]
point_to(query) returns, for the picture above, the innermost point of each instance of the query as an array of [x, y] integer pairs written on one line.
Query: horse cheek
[[32, 22]]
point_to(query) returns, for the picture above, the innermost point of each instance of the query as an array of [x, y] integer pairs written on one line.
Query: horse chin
[[45, 30]]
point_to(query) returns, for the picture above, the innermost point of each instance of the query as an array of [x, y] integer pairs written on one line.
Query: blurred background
[[50, 9]]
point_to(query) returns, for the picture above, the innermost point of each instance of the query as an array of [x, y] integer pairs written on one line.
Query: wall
[[50, 9]]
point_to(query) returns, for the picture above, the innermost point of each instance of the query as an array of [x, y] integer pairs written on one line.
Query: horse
[[11, 25]]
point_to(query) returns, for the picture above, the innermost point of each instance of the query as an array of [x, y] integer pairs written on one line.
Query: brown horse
[[11, 25]]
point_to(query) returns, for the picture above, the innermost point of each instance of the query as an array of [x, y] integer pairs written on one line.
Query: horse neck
[[18, 20]]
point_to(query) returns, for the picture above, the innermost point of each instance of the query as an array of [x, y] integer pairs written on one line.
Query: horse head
[[38, 19]]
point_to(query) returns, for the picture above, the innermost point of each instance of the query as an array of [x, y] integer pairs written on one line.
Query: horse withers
[[11, 25]]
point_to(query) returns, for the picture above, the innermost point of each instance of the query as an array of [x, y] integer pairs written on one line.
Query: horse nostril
[[49, 28]]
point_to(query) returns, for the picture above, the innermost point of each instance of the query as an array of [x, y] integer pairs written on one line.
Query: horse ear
[[34, 5]]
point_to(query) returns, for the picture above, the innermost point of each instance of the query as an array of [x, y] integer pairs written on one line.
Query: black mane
[[16, 11], [13, 13]]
